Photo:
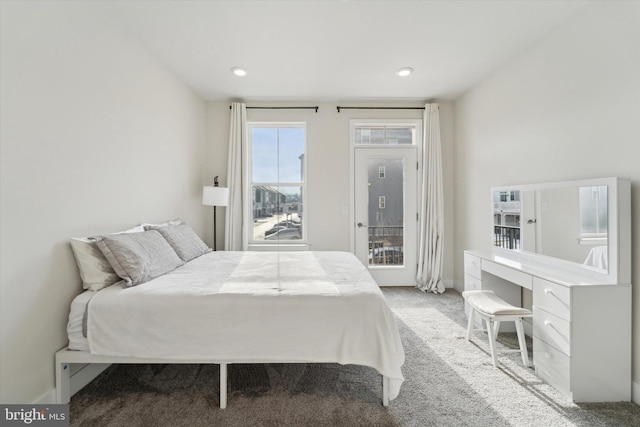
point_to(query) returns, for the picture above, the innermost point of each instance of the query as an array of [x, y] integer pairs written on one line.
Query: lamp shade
[[215, 196]]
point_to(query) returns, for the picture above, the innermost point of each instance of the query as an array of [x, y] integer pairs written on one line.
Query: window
[[506, 219], [593, 212], [509, 196], [385, 155], [276, 181], [396, 134]]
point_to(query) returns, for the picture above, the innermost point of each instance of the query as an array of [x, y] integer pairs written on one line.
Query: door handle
[[362, 225]]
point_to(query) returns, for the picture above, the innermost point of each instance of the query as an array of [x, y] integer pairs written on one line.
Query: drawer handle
[[548, 291], [547, 323]]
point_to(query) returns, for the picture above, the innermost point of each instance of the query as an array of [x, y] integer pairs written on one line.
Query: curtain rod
[[379, 108], [283, 108]]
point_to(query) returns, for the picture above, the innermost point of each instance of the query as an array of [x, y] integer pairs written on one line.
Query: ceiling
[[336, 50]]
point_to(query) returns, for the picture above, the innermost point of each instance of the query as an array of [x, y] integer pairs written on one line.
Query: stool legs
[[496, 327], [470, 324], [493, 326], [492, 341], [522, 342], [493, 310]]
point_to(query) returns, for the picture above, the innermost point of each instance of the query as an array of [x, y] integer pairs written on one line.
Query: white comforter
[[253, 307]]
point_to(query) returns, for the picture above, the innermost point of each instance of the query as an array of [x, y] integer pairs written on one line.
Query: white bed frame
[[65, 358]]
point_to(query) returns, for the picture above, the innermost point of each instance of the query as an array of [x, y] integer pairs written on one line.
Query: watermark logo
[[34, 415]]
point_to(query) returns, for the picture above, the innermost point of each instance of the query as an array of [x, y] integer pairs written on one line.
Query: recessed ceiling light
[[404, 72], [239, 71]]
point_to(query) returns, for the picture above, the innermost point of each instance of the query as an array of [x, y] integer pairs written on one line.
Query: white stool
[[493, 309]]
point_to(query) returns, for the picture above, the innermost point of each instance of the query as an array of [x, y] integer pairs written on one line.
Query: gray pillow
[[187, 244], [139, 257]]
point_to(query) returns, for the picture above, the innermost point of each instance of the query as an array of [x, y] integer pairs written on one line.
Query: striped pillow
[[139, 257], [187, 244]]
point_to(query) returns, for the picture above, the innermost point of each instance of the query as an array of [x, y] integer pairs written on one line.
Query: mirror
[[580, 226], [568, 221]]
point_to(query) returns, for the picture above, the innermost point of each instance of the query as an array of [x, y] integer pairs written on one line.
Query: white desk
[[581, 329]]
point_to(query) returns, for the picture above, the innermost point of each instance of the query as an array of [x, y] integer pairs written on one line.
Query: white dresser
[[581, 328]]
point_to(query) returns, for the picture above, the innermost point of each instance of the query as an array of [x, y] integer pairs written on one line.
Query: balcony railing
[[506, 237], [386, 245], [391, 231], [506, 206]]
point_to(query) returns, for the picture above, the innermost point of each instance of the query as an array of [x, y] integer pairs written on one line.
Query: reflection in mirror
[[594, 225], [506, 219], [593, 213], [568, 223]]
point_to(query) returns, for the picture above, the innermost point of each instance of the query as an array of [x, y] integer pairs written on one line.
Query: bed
[[240, 307], [598, 257]]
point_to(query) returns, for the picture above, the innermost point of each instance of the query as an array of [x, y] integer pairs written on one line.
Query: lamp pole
[[215, 239], [215, 196]]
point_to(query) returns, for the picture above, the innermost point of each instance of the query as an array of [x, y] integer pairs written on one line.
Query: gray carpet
[[449, 382]]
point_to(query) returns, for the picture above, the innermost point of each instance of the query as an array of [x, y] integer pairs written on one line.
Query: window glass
[[385, 135], [397, 136], [593, 210], [506, 219], [277, 186], [370, 135], [264, 154], [381, 201], [386, 211]]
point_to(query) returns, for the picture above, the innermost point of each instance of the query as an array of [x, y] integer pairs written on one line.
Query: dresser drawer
[[472, 265], [471, 283], [552, 366], [552, 330], [507, 273], [552, 297]]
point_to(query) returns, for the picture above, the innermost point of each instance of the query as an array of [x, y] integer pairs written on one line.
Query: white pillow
[[95, 271], [149, 226]]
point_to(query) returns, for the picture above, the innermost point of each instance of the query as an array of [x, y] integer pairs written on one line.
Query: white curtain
[[430, 255], [234, 240]]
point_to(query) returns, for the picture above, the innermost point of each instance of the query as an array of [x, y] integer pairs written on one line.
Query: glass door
[[385, 213]]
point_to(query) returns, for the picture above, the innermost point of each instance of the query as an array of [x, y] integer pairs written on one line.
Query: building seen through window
[[386, 211], [277, 172], [506, 219]]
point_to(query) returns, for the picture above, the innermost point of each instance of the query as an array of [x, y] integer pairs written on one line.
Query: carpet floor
[[449, 382]]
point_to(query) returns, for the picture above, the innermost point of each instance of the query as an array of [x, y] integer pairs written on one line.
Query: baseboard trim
[[454, 284], [48, 398], [635, 393], [449, 283], [82, 375]]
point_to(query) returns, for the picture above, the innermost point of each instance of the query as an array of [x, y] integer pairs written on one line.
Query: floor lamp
[[215, 196]]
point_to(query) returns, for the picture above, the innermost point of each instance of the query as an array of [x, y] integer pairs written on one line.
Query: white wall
[[328, 163], [568, 108], [95, 137]]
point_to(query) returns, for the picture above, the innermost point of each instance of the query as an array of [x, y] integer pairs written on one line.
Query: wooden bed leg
[[385, 390], [223, 385], [63, 382]]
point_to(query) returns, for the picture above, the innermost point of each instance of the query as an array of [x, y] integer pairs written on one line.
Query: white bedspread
[[254, 307], [598, 257]]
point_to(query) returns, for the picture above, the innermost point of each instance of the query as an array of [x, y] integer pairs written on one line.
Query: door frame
[[418, 147]]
